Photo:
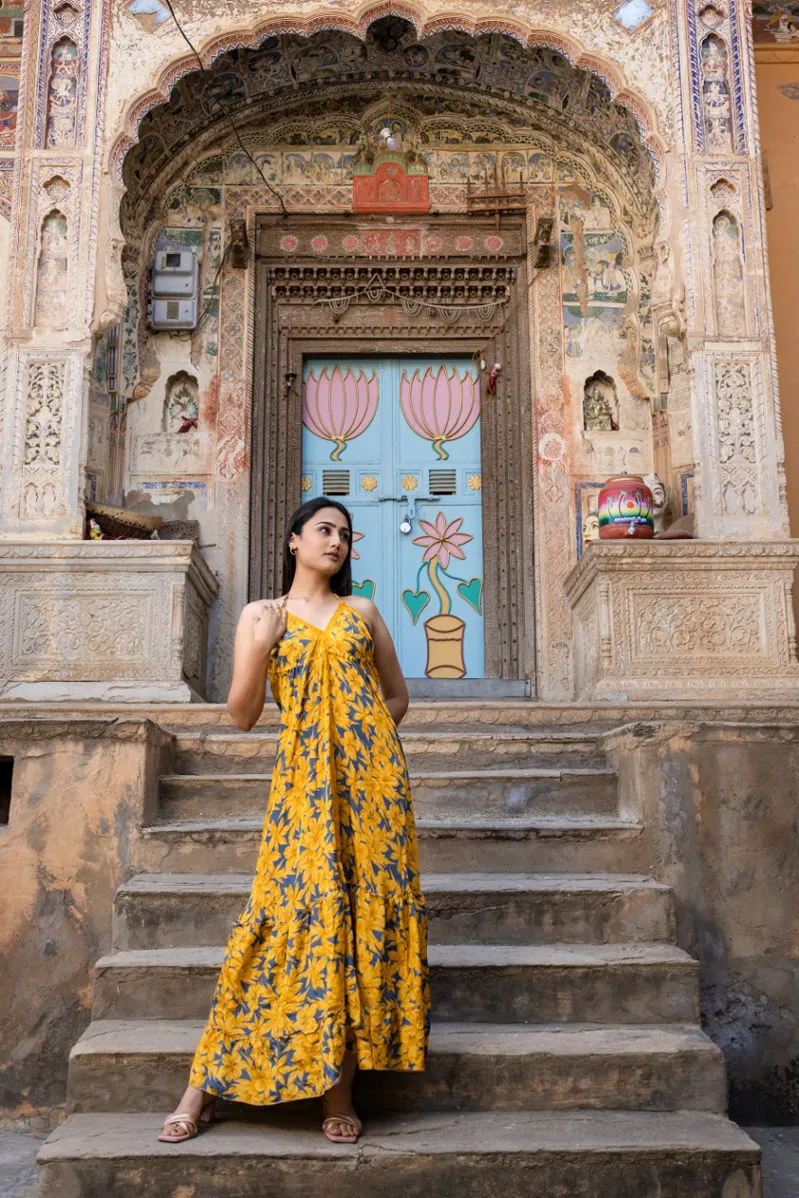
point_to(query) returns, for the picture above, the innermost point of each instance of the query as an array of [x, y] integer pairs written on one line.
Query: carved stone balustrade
[[104, 620], [684, 619]]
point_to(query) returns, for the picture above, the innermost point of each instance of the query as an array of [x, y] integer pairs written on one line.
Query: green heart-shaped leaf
[[472, 592], [365, 588], [416, 602]]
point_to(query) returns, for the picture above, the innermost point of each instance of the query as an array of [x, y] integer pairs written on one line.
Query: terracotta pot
[[445, 647], [625, 508]]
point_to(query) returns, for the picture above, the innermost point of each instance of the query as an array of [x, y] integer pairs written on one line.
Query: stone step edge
[[176, 1037], [266, 735], [544, 773], [470, 882], [447, 956], [538, 826], [471, 1134]]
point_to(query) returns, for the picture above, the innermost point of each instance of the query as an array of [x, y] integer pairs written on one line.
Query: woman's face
[[323, 541]]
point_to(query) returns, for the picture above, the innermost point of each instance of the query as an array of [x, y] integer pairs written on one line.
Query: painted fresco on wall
[[9, 98], [775, 21], [594, 281]]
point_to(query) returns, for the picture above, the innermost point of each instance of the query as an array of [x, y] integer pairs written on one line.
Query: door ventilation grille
[[335, 482], [442, 482]]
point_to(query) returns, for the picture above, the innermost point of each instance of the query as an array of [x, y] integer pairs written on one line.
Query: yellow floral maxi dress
[[331, 948]]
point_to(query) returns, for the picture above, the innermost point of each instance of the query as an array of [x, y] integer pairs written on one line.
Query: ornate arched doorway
[[471, 114]]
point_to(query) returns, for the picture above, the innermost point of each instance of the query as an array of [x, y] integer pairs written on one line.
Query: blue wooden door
[[398, 441]]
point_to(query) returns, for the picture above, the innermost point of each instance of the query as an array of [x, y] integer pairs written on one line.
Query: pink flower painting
[[439, 406], [339, 407], [442, 539]]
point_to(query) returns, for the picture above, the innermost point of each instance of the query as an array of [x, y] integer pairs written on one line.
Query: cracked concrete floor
[[780, 1147]]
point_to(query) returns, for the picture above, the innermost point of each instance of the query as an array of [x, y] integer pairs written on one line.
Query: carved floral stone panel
[[684, 619], [111, 619]]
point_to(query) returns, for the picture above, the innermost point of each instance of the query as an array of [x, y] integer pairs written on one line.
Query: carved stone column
[[52, 266], [737, 436]]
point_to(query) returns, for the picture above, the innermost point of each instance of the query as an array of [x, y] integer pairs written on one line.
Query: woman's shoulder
[[364, 607]]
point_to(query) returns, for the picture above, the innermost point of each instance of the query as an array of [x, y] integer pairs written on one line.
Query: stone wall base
[[680, 620], [116, 620]]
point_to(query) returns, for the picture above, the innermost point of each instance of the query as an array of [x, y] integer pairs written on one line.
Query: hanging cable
[[224, 111]]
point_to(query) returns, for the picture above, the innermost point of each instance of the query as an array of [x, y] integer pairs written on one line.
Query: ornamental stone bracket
[[116, 620], [684, 620]]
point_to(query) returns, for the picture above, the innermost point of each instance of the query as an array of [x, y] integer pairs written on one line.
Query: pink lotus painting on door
[[439, 406], [339, 407]]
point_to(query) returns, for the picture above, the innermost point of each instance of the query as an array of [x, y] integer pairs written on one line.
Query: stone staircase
[[566, 1059]]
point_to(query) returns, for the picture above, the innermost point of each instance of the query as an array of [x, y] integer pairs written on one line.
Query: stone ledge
[[135, 729], [684, 620], [121, 620]]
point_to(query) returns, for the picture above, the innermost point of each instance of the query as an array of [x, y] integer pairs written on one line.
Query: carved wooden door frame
[[302, 264]]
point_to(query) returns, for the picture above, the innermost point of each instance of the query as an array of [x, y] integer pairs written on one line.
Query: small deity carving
[[591, 528], [181, 406], [600, 404], [660, 501]]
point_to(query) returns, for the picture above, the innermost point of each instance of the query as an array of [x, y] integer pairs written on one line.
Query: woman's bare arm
[[260, 626]]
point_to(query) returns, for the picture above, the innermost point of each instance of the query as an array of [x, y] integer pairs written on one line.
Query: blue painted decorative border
[[737, 80]]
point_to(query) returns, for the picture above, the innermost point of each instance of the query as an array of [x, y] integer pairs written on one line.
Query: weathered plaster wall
[[778, 103], [719, 808], [81, 790]]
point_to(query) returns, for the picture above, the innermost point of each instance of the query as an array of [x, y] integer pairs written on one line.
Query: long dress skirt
[[330, 951]]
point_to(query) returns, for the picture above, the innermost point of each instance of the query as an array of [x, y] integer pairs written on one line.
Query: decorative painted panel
[[398, 441]]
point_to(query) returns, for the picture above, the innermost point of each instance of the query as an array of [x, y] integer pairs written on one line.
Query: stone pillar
[[43, 421], [736, 429]]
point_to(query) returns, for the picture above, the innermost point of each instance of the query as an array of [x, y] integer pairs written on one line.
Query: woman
[[326, 968]]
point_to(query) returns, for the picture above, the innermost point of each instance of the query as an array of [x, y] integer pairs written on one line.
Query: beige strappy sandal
[[190, 1124], [348, 1121]]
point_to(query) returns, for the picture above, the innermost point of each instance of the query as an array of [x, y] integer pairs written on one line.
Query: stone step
[[558, 983], [574, 1154], [143, 1066], [181, 910], [568, 844], [441, 713], [227, 751], [496, 794]]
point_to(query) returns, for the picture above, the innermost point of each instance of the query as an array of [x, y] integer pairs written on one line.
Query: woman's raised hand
[[268, 623]]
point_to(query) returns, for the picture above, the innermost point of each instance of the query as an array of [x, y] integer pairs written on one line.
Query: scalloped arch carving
[[369, 31]]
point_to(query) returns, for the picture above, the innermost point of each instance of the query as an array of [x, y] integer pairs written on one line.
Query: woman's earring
[[293, 550]]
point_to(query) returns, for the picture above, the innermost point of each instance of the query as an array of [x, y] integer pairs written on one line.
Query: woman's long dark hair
[[341, 582]]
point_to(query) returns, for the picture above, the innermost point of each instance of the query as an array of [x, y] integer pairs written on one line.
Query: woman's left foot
[[342, 1129]]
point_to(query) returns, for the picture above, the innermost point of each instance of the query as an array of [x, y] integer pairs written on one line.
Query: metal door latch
[[406, 524]]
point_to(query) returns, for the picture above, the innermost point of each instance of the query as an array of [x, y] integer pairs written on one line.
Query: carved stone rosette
[[104, 620], [684, 620]]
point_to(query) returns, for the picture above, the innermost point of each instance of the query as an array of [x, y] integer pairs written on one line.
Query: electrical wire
[[224, 111]]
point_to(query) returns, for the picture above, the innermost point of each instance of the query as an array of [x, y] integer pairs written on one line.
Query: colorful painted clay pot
[[625, 508]]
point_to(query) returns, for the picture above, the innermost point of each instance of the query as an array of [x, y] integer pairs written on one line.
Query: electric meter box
[[175, 288], [176, 273], [173, 313]]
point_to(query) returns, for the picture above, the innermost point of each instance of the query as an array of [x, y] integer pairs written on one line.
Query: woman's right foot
[[340, 1124], [194, 1108]]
